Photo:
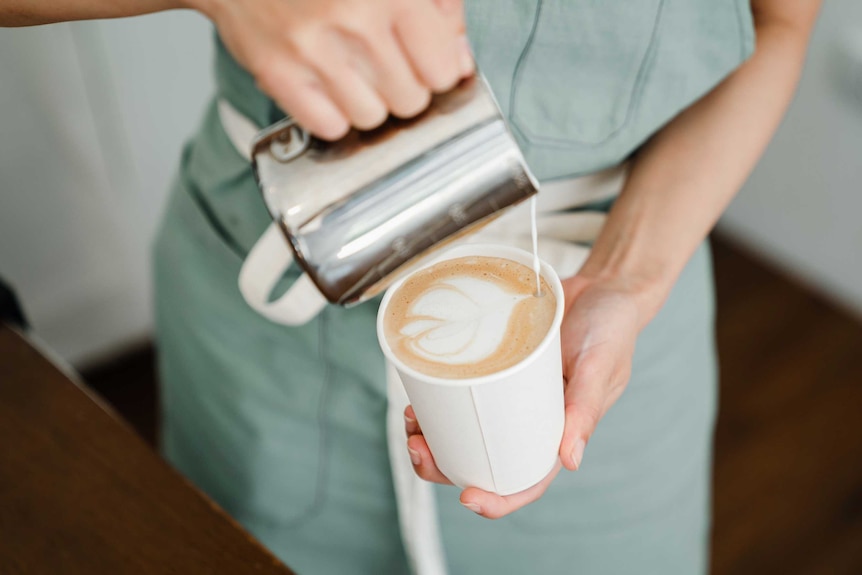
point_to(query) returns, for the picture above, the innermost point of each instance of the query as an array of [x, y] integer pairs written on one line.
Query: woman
[[285, 426]]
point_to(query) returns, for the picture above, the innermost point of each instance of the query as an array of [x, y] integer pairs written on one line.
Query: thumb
[[585, 406]]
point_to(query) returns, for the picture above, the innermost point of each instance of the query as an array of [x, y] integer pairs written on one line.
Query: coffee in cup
[[469, 316]]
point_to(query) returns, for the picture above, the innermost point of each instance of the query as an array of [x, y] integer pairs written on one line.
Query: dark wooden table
[[80, 493]]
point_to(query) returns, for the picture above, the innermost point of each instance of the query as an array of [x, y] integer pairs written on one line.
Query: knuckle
[[307, 47], [303, 38], [622, 378], [326, 126], [333, 131], [580, 412], [369, 121], [443, 79], [267, 79], [591, 414], [363, 22], [424, 473], [413, 105], [367, 124], [589, 370]]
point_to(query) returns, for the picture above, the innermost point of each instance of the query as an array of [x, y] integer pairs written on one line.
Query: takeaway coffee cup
[[500, 432]]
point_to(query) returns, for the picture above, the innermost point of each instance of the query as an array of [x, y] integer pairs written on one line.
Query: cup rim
[[479, 249]]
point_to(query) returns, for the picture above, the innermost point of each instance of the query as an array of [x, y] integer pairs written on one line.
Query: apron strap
[[239, 129], [264, 265], [417, 507]]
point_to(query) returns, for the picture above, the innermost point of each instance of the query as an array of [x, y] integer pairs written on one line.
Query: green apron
[[285, 427]]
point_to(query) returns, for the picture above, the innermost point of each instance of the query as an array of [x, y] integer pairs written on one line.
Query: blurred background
[[92, 119]]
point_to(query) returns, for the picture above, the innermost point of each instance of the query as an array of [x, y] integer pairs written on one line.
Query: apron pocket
[[582, 71]]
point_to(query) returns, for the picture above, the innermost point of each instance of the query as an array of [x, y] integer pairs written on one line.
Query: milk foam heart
[[468, 316], [459, 320]]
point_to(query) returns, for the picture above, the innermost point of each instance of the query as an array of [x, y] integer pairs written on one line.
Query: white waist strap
[[560, 234]]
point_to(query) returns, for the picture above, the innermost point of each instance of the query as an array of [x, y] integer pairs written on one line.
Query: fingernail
[[578, 452], [472, 507], [468, 66], [409, 419], [414, 456]]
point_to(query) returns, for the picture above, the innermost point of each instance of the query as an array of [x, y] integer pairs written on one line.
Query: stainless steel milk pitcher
[[358, 211]]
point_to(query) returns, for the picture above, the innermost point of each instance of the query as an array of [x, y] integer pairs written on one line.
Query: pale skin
[[333, 64]]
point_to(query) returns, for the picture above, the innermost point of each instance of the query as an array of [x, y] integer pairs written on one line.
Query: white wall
[[802, 207], [92, 119]]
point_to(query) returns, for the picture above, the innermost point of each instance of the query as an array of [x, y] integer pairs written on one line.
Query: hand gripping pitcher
[[357, 213]]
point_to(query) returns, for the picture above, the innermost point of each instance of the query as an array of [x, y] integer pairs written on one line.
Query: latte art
[[468, 317], [446, 322]]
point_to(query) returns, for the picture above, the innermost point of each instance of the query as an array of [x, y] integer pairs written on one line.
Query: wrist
[[648, 289], [629, 257]]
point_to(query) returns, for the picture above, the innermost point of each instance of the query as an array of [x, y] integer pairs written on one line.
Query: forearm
[[33, 12], [683, 179]]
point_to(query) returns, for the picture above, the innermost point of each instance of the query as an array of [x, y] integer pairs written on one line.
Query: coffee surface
[[468, 317]]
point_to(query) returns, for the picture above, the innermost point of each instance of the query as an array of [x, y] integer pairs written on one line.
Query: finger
[[453, 11], [297, 91], [585, 400], [356, 98], [403, 93], [432, 46], [494, 506], [581, 419], [423, 461], [465, 56], [410, 423], [342, 63]]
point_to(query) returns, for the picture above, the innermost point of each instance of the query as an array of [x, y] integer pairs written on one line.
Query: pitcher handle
[[265, 264]]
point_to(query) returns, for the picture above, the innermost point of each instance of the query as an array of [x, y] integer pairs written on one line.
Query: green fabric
[[641, 501], [583, 82], [285, 427]]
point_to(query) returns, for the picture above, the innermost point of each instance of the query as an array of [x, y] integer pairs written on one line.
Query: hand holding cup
[[598, 332], [479, 356]]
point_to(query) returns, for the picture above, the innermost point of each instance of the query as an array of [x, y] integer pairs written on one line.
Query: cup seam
[[482, 434]]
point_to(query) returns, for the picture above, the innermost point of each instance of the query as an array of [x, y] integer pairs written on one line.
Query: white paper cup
[[500, 432]]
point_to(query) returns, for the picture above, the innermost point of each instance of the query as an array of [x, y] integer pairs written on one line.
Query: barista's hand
[[484, 503], [335, 63], [599, 329], [598, 333]]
